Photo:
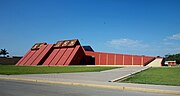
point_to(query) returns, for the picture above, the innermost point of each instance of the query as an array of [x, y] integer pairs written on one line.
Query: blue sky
[[141, 27]]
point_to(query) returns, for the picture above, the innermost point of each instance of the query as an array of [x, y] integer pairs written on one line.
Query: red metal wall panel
[[102, 57], [137, 60], [119, 59], [65, 56], [74, 52], [78, 57], [146, 59], [42, 57], [35, 55], [28, 57], [51, 57], [97, 60], [22, 59], [127, 59], [28, 62], [58, 56], [95, 54], [111, 59]]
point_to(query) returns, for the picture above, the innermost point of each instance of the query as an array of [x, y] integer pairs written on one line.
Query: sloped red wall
[[34, 57], [118, 59], [63, 53], [70, 52]]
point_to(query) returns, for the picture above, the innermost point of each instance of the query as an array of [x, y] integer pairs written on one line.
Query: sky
[[140, 27]]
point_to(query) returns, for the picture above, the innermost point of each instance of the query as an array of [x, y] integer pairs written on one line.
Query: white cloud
[[130, 46], [125, 42], [175, 37], [171, 44]]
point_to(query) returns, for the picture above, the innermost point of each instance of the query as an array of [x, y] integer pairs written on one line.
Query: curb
[[99, 86], [117, 79]]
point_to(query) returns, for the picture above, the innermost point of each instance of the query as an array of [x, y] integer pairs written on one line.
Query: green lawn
[[9, 69], [159, 76]]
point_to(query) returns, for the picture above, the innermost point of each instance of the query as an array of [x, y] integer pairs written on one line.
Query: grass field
[[10, 69], [159, 76]]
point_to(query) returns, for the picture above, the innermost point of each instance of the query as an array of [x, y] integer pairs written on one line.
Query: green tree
[[173, 57], [4, 52]]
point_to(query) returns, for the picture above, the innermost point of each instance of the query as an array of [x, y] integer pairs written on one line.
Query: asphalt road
[[22, 88]]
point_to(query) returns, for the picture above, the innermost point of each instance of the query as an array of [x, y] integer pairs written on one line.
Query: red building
[[70, 52], [170, 63]]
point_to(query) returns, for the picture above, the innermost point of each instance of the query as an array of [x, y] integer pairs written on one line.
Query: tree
[[173, 57], [4, 52]]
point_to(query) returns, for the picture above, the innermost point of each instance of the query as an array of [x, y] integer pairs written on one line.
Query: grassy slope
[[8, 70], [160, 76]]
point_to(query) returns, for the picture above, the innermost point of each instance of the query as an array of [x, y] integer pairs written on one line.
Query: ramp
[[156, 62]]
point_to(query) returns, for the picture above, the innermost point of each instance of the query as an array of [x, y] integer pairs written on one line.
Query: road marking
[[98, 86]]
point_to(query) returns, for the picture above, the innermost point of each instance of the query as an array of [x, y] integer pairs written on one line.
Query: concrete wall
[[156, 63]]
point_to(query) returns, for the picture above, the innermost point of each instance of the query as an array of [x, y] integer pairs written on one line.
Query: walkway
[[156, 63], [103, 76], [97, 79]]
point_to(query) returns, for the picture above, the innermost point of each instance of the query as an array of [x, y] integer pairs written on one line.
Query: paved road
[[103, 76], [20, 88], [97, 78]]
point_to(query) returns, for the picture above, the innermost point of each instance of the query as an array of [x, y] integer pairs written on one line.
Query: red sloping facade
[[70, 52], [35, 55], [76, 56], [24, 62], [71, 56], [51, 57], [43, 55], [57, 57], [19, 63], [65, 56]]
